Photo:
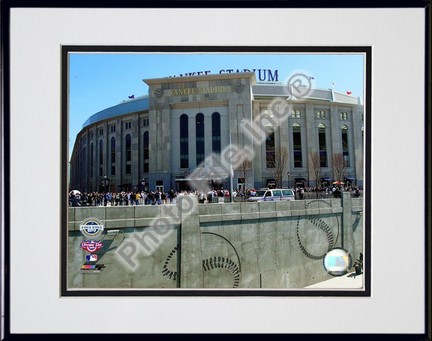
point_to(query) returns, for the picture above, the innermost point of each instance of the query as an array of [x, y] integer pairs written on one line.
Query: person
[[151, 198], [158, 197], [210, 195], [358, 265], [356, 193], [172, 196], [201, 198], [301, 193]]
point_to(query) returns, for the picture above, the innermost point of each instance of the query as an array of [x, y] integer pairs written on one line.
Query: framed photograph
[[226, 163], [255, 174]]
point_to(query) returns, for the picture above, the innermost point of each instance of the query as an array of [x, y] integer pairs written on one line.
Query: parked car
[[274, 194]]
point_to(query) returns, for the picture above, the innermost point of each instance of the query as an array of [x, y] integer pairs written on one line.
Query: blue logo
[[91, 258], [91, 228]]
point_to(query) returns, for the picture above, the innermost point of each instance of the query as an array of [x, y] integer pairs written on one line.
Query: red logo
[[91, 245]]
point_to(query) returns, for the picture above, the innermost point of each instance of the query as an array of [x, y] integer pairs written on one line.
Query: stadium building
[[156, 141]]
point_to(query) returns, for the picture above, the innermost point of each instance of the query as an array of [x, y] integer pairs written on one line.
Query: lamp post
[[289, 179]]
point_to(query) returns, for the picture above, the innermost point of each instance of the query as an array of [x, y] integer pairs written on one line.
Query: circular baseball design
[[318, 227]]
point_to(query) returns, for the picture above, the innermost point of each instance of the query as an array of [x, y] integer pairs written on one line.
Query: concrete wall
[[230, 245]]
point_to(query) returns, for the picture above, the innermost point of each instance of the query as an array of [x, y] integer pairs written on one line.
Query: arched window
[[146, 151], [113, 155], [100, 158], [297, 146], [322, 145], [270, 147], [91, 160], [216, 133], [216, 137], [199, 135], [184, 141], [128, 157], [345, 149], [83, 163]]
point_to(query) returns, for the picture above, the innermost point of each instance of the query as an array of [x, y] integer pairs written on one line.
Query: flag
[[310, 77], [131, 96], [348, 92]]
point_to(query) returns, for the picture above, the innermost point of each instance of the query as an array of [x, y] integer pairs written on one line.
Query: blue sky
[[101, 80]]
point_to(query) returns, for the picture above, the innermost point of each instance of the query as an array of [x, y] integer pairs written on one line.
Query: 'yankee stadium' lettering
[[195, 91], [263, 75]]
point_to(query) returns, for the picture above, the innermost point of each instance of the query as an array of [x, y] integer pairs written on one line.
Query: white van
[[274, 194]]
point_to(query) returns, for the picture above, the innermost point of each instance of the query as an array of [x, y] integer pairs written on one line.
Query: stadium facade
[[156, 141]]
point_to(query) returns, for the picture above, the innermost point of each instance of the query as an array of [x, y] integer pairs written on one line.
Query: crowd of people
[[124, 198], [131, 198], [326, 191]]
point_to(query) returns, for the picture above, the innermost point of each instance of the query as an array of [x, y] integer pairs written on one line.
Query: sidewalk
[[348, 281]]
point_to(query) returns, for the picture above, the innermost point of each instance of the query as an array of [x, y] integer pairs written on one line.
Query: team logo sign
[[91, 245], [91, 258], [337, 262], [91, 228]]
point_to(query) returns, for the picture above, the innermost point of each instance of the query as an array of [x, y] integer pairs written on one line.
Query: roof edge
[[235, 75]]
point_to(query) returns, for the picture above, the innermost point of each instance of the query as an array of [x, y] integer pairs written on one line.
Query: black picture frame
[[97, 292], [7, 6]]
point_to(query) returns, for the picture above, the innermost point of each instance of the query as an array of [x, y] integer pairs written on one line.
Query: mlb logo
[[91, 258]]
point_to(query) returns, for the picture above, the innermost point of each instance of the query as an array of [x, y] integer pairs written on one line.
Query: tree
[[280, 165], [245, 170], [339, 166], [315, 167]]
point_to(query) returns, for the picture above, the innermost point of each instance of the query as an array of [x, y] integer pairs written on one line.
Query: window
[[83, 161], [113, 155], [343, 116], [184, 141], [216, 133], [146, 122], [362, 117], [128, 157], [270, 147], [101, 132], [91, 160], [322, 145], [199, 133], [100, 158], [146, 151], [297, 146], [216, 136], [345, 149], [128, 125], [112, 128], [321, 114], [296, 114]]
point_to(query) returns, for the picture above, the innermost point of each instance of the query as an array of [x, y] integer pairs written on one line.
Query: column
[[190, 255]]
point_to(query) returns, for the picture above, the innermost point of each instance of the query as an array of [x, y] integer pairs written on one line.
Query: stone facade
[[140, 147]]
